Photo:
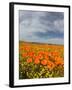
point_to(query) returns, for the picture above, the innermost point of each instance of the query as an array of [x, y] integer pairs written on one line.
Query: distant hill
[[41, 43]]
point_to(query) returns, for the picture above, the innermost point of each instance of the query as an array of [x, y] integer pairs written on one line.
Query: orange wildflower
[[46, 53], [36, 61], [24, 54], [46, 57], [31, 54], [59, 60], [40, 56], [27, 48], [44, 62], [50, 65], [29, 60]]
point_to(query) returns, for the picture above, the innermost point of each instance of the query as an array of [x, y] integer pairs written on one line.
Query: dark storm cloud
[[49, 34], [52, 16], [41, 26]]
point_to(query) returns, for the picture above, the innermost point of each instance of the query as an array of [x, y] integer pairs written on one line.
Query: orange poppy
[[40, 56], [24, 54], [29, 60], [50, 65], [59, 60], [44, 62], [31, 54], [36, 61]]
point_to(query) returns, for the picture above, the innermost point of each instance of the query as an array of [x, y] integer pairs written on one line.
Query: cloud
[[49, 34], [56, 41], [59, 25], [52, 16], [41, 26]]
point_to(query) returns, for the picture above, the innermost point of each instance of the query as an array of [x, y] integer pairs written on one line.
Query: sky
[[41, 26]]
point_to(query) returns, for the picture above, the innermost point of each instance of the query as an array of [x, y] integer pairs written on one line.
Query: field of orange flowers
[[40, 60]]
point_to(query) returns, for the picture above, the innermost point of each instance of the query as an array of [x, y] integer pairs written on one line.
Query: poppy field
[[38, 60]]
